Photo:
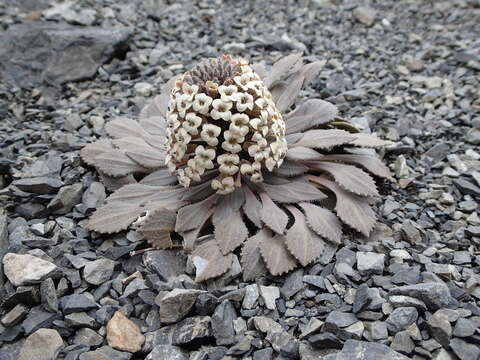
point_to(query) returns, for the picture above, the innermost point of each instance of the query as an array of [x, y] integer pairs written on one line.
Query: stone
[[143, 88], [98, 271], [14, 316], [37, 319], [27, 269], [325, 341], [464, 350], [400, 318], [79, 320], [55, 55], [48, 294], [105, 353], [37, 185], [77, 303], [361, 350], [435, 295], [337, 319], [88, 337], [169, 352], [94, 196], [167, 264], [378, 330], [43, 344], [370, 263], [464, 327], [123, 334], [293, 284], [263, 354], [270, 294], [466, 187], [176, 304], [66, 198], [403, 301], [251, 296], [4, 242], [222, 323], [205, 304], [192, 332], [473, 136], [365, 15], [440, 328], [402, 343]]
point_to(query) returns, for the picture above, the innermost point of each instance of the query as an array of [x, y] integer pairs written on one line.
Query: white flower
[[221, 110], [253, 149], [202, 103], [246, 169], [228, 164], [183, 179], [227, 93], [183, 136], [223, 186], [256, 86], [242, 80], [270, 163], [232, 142], [212, 87], [183, 104], [257, 177], [243, 101], [210, 133], [255, 122], [241, 130], [261, 103], [189, 90], [173, 122], [179, 150], [238, 124], [204, 157], [191, 123]]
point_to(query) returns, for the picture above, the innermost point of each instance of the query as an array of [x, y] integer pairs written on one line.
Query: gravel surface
[[407, 70]]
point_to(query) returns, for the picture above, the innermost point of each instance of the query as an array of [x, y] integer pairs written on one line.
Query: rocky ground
[[408, 70]]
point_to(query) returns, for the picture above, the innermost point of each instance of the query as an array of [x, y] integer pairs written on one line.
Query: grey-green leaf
[[324, 222], [302, 242]]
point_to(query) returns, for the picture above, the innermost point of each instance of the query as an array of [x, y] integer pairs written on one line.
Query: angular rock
[[43, 344], [57, 52], [165, 263], [66, 198], [192, 332], [464, 327], [222, 323], [36, 185], [105, 353], [88, 337], [365, 15], [123, 334], [401, 318], [77, 303], [26, 269], [361, 350], [440, 328], [325, 341], [370, 263], [464, 350], [98, 271], [169, 352], [14, 316], [434, 294], [269, 295], [176, 304]]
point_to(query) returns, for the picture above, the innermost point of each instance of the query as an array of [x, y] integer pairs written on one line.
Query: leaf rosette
[[220, 158]]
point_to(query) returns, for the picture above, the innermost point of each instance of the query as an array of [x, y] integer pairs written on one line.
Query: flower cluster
[[222, 118]]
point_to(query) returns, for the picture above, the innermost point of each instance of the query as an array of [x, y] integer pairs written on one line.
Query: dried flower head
[[222, 104], [222, 147]]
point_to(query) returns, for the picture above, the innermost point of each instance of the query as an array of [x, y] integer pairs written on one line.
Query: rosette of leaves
[[278, 213]]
